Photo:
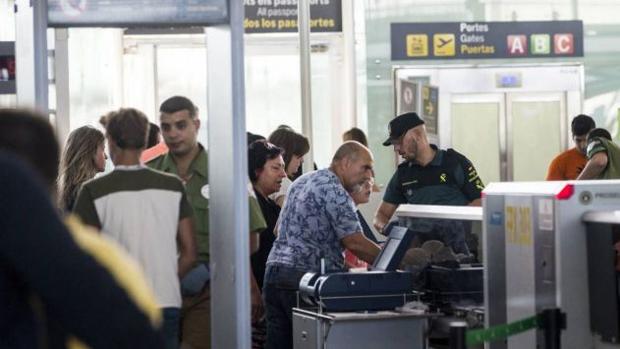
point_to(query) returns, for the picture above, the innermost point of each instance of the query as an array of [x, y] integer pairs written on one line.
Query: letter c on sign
[[563, 44]]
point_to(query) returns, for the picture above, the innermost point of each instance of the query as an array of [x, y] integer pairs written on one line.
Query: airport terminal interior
[[471, 234]]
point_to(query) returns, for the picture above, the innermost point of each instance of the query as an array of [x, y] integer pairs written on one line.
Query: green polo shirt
[[197, 189], [600, 144]]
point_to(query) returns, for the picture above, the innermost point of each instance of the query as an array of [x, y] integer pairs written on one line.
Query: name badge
[[205, 191]]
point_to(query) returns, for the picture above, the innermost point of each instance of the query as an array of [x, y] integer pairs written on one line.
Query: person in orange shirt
[[569, 164], [154, 146]]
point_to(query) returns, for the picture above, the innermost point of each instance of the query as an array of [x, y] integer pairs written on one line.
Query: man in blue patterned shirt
[[318, 221]]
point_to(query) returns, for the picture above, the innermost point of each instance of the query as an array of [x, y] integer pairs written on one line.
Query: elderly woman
[[266, 170]]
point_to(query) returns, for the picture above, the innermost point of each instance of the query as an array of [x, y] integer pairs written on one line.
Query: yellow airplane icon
[[443, 44]]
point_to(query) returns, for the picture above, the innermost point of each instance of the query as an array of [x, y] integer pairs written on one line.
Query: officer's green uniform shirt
[[600, 144], [197, 189], [449, 179]]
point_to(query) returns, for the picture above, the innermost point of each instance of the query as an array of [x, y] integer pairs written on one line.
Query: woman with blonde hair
[[82, 158]]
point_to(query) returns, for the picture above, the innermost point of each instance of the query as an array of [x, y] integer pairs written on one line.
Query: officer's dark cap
[[400, 125]]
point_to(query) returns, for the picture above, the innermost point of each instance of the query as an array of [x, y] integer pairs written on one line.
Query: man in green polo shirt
[[603, 156], [188, 159]]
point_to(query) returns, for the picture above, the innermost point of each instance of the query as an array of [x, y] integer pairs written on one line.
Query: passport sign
[[483, 40]]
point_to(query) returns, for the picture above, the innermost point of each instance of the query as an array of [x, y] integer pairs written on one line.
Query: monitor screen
[[7, 68], [387, 253], [394, 248], [132, 13]]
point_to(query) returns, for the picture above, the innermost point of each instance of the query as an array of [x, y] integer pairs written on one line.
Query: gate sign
[[132, 13], [483, 40], [430, 106]]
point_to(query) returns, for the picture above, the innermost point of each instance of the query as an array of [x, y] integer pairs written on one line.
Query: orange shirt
[[153, 152], [567, 165]]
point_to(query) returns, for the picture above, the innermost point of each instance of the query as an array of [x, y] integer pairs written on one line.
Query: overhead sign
[[430, 107], [280, 16], [482, 40], [133, 13], [408, 96], [7, 67]]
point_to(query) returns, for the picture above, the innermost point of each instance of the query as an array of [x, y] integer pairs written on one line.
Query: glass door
[[477, 131], [536, 133], [509, 136]]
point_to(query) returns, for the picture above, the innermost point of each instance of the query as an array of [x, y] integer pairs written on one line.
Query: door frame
[[567, 77], [483, 79]]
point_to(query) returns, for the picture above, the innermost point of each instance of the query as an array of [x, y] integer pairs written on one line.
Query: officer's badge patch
[[443, 178]]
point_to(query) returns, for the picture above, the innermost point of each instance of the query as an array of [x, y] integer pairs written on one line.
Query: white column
[[303, 21], [228, 184], [61, 74], [31, 54]]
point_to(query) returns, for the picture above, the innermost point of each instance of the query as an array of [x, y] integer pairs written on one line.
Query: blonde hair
[[77, 163]]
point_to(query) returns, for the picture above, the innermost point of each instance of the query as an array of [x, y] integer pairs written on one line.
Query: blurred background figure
[[355, 134], [361, 196], [82, 158], [295, 146], [95, 293]]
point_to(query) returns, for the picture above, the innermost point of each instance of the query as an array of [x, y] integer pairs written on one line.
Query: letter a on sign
[[517, 45]]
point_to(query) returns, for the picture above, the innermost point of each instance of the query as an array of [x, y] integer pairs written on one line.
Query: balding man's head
[[351, 150], [353, 164]]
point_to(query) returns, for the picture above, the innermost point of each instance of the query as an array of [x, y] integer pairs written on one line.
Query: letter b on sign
[[563, 44], [540, 44]]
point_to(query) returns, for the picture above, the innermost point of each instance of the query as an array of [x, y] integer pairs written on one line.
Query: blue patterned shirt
[[317, 214]]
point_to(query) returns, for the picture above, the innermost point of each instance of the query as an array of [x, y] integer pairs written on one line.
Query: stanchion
[[457, 335], [552, 322]]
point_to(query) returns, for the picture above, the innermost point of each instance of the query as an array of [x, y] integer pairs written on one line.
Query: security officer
[[187, 159], [428, 176]]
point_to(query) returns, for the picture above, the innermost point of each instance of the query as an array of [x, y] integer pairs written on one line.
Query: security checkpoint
[[548, 276]]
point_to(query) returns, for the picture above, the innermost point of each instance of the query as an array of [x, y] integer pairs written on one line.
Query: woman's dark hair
[[153, 138], [252, 137], [259, 152], [355, 134], [291, 142]]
